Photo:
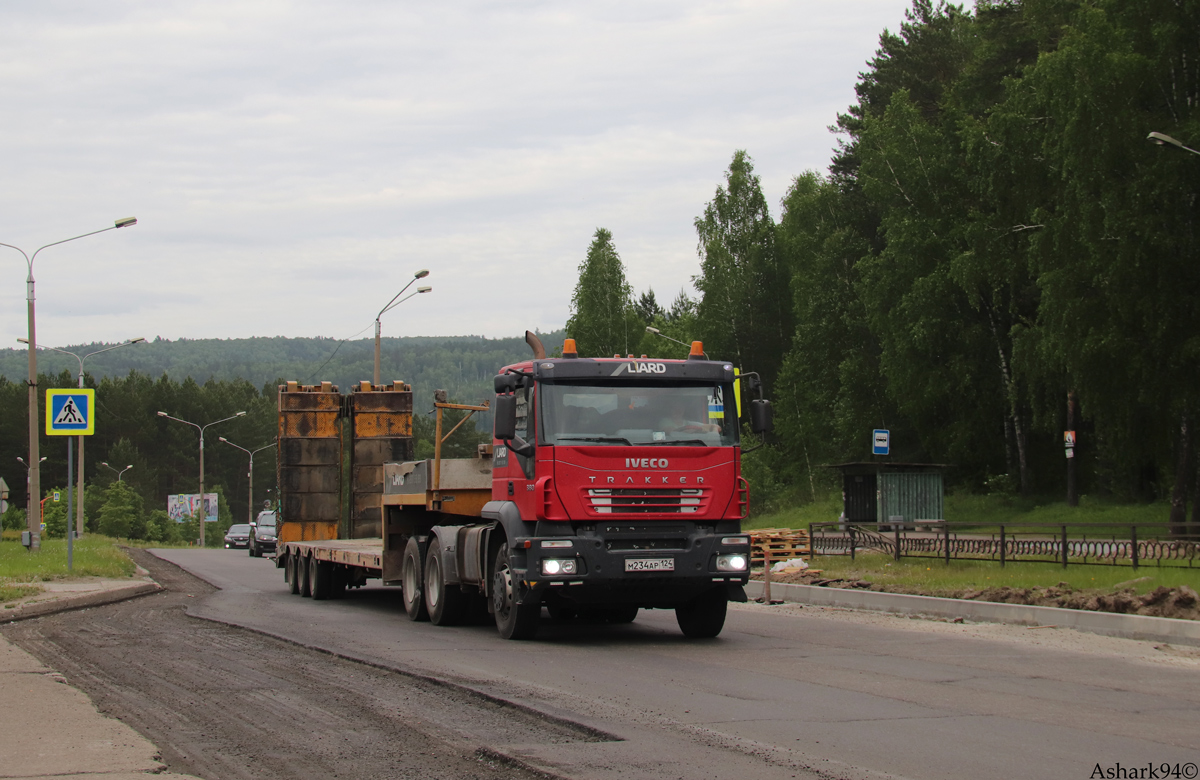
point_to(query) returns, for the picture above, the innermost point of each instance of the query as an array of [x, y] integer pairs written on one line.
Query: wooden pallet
[[781, 543]]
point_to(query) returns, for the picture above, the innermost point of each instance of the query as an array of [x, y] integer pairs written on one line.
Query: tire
[[320, 576], [704, 616], [291, 573], [302, 564], [623, 614], [337, 584], [513, 621], [254, 552], [413, 581], [561, 613], [445, 604]]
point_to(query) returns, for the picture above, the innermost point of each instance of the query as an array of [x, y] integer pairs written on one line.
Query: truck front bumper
[[635, 569]]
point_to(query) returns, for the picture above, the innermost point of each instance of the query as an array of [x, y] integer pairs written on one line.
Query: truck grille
[[646, 501]]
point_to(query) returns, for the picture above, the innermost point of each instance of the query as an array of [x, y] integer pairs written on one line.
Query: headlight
[[731, 563], [552, 567]]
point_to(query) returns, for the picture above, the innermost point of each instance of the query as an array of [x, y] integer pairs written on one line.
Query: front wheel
[[704, 616], [513, 620], [411, 576], [444, 603]]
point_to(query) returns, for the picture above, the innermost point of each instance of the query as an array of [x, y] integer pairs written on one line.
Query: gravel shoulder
[[223, 702]]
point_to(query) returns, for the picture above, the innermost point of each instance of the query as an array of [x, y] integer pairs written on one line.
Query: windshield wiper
[[609, 439], [677, 442]]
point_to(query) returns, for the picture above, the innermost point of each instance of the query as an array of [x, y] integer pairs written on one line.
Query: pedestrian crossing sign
[[70, 412]]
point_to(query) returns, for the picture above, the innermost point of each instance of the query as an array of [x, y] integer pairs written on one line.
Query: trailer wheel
[[291, 568], [414, 598], [303, 562], [513, 621], [704, 616], [337, 583], [320, 574], [445, 604]]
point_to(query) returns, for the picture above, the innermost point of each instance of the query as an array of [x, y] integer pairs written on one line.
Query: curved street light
[[393, 303], [79, 479], [35, 479], [1163, 139], [250, 499], [113, 470], [201, 428], [659, 333]]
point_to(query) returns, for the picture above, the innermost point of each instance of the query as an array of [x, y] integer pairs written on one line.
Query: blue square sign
[[70, 412], [880, 443]]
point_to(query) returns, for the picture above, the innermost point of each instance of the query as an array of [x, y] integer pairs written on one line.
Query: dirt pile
[[1180, 602]]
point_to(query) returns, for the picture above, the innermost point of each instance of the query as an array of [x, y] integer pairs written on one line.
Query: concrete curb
[[80, 601], [1154, 629]]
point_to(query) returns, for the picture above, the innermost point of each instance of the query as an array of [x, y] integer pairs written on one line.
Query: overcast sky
[[291, 164]]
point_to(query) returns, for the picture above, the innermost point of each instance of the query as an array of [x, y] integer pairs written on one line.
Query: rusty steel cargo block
[[381, 425]]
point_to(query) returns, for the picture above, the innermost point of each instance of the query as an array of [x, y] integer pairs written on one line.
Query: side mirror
[[505, 411], [506, 383], [762, 417]]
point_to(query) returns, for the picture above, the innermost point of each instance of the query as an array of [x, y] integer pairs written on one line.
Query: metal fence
[[1106, 544]]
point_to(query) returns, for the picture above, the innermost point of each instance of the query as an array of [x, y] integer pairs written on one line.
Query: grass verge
[[93, 556], [936, 578]]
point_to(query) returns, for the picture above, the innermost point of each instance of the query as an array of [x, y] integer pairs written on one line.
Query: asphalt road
[[778, 694]]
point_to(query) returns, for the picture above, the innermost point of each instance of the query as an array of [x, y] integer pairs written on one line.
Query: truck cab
[[620, 479]]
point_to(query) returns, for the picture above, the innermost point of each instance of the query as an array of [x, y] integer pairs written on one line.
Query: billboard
[[183, 506]]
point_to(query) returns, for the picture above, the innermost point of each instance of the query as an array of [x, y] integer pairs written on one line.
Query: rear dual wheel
[[446, 604], [291, 573], [320, 579], [412, 577]]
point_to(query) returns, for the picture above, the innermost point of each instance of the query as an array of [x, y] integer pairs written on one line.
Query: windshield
[[266, 519], [239, 529], [679, 415]]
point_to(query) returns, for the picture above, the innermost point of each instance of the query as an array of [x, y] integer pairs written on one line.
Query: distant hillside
[[463, 365]]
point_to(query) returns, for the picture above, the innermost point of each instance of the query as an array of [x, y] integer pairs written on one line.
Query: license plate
[[649, 564]]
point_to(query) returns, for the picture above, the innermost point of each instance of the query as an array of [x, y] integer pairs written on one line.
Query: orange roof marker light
[[697, 352], [569, 350]]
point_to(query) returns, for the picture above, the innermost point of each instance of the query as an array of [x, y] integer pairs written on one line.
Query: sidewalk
[[50, 729]]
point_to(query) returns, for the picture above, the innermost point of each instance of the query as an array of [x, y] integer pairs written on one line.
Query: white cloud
[[292, 163]]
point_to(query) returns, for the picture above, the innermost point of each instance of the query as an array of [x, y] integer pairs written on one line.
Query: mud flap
[[736, 593]]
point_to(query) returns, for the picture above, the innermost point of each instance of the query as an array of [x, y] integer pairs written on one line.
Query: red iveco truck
[[612, 485]]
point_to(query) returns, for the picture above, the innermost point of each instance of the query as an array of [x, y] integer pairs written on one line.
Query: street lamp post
[[250, 498], [393, 303], [201, 428], [659, 333], [118, 473], [35, 479], [30, 499], [79, 479], [1163, 139]]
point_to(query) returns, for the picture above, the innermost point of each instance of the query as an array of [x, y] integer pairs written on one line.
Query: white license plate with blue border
[[649, 564]]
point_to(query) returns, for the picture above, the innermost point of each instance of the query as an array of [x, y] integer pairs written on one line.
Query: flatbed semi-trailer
[[611, 485]]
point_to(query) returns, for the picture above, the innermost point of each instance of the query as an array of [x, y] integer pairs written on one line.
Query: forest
[[202, 381], [997, 254]]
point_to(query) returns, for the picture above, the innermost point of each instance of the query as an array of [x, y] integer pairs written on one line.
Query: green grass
[[934, 577], [14, 592], [990, 512], [93, 556]]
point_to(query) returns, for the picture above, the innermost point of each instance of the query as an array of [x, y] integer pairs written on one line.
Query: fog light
[[554, 566], [731, 563]]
